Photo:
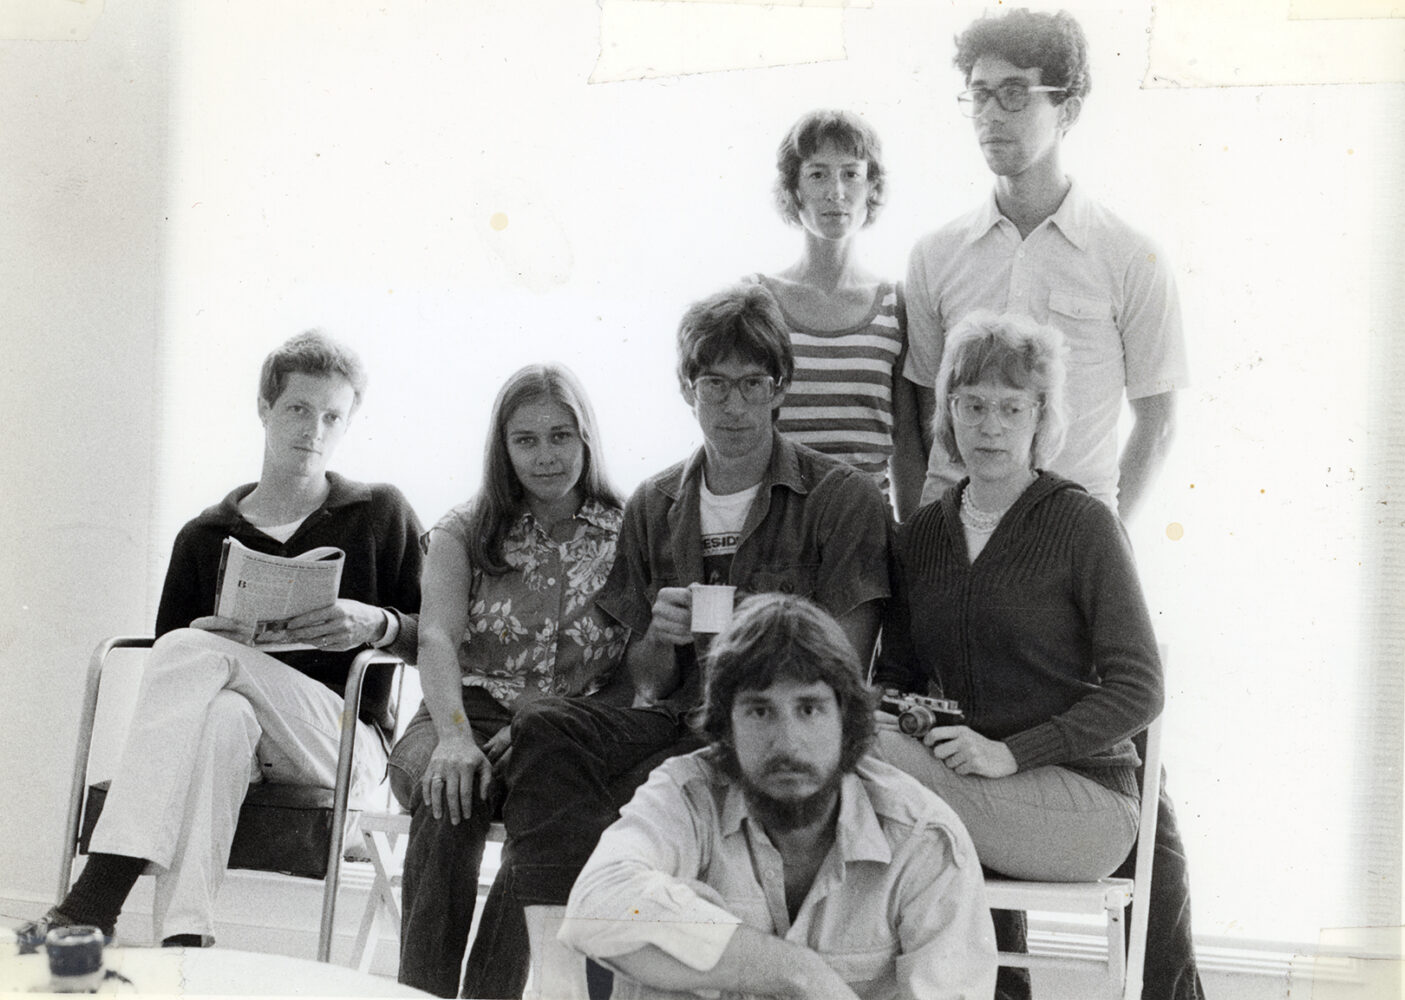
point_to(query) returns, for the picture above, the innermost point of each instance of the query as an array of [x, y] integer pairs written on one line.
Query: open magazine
[[268, 590]]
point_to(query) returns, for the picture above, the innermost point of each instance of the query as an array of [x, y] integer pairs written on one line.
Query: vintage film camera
[[918, 714]]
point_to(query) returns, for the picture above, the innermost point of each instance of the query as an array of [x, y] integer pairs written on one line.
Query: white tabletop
[[210, 972]]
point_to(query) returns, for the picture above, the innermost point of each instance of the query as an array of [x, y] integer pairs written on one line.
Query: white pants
[[212, 717]]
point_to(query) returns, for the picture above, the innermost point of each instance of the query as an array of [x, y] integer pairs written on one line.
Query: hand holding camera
[[917, 714], [939, 723]]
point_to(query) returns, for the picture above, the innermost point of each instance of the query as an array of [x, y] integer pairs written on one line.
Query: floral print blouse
[[537, 623]]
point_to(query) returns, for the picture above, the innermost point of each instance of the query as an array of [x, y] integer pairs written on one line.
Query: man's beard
[[786, 814]]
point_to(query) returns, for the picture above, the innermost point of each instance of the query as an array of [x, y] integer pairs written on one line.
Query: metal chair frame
[[78, 789]]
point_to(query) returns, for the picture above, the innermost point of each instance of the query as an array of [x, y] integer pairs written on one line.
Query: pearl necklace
[[975, 518], [984, 521]]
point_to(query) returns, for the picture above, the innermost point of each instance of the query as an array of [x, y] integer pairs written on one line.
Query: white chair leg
[[364, 951], [558, 970], [1116, 950], [380, 833]]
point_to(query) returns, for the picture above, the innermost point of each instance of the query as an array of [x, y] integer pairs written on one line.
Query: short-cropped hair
[[311, 353], [782, 637], [1052, 42], [847, 132], [1013, 349], [742, 321]]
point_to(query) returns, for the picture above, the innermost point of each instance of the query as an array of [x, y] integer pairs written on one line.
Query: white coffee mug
[[712, 606]]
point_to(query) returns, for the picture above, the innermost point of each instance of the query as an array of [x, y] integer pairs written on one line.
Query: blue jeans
[[573, 764], [442, 859]]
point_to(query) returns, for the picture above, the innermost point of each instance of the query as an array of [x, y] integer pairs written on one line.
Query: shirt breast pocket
[[1087, 322], [800, 579]]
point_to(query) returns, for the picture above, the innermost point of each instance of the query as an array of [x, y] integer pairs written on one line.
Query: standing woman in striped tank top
[[848, 397]]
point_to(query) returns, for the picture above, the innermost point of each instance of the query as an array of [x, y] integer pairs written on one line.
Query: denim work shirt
[[537, 624], [817, 528], [897, 908]]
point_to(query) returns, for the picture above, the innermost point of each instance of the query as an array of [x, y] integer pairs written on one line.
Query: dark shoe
[[188, 941], [31, 935]]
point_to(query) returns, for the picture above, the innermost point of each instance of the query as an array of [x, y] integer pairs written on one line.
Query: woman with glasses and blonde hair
[[1015, 594], [847, 326]]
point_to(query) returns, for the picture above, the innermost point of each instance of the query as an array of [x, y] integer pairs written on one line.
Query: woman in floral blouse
[[507, 615]]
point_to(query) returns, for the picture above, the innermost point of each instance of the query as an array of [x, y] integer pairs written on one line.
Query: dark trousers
[[442, 860], [573, 764], [501, 956], [1170, 972]]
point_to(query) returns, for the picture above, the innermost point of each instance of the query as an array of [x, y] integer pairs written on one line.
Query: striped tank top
[[840, 401]]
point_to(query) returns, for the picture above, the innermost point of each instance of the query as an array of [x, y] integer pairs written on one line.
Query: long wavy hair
[[501, 496]]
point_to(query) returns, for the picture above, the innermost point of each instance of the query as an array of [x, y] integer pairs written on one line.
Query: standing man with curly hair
[[1041, 245]]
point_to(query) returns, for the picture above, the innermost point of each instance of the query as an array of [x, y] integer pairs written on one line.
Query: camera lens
[[917, 721]]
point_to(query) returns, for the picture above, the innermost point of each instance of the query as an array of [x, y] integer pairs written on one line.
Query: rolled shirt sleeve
[[639, 886], [1153, 342], [925, 335], [948, 943]]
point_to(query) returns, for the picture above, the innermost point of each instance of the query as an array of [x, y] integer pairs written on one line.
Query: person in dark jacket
[[1015, 594], [215, 712]]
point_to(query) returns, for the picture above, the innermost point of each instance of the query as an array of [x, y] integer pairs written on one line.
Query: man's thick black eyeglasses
[[1011, 97]]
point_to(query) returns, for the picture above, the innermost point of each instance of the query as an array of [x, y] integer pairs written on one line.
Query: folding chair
[[302, 855], [1108, 896], [387, 835]]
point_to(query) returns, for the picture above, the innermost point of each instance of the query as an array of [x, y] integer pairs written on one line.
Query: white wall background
[[337, 165], [83, 188]]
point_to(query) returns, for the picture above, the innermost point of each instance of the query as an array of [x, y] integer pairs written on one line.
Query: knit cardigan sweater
[[1044, 640]]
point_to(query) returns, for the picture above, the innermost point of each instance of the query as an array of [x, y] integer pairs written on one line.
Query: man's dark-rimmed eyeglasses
[[716, 388], [1012, 96]]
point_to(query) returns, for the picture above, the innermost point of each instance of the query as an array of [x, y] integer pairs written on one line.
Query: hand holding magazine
[[266, 590]]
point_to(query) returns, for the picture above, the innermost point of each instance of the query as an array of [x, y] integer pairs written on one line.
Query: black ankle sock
[[97, 897], [184, 941]]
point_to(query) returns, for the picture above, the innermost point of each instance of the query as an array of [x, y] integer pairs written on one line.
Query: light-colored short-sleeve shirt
[[537, 624], [1105, 285], [897, 908]]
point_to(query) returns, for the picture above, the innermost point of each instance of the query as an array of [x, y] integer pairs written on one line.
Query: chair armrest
[[351, 711]]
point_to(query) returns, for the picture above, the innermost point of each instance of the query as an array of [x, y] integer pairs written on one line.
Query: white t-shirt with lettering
[[722, 520]]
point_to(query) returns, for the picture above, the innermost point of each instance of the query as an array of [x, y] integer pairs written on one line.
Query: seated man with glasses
[[1041, 246], [749, 509]]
